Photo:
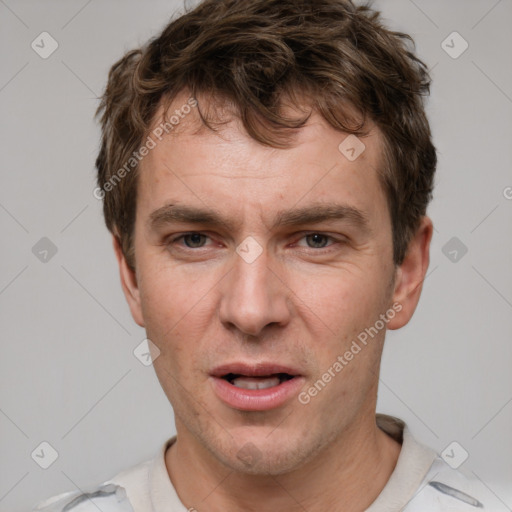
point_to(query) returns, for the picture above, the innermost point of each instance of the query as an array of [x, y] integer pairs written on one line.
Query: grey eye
[[194, 240], [318, 240]]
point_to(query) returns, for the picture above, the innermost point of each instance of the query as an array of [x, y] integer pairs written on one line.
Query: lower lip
[[256, 399]]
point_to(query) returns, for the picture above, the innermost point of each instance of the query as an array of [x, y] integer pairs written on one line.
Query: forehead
[[192, 163]]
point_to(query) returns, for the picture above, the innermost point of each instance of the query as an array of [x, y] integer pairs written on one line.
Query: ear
[[129, 283], [411, 274]]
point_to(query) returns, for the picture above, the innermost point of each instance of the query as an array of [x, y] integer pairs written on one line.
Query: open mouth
[[260, 382], [255, 386]]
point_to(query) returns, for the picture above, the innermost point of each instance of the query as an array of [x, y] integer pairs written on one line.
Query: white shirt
[[421, 482]]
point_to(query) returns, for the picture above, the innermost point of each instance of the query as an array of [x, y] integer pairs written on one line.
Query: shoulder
[[123, 493], [449, 490], [107, 498], [423, 480]]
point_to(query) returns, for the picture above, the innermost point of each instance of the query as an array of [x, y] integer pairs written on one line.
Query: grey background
[[68, 373]]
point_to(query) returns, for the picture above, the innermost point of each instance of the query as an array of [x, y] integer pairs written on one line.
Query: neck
[[348, 475]]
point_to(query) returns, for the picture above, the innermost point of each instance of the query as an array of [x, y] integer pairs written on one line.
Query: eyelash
[[305, 235]]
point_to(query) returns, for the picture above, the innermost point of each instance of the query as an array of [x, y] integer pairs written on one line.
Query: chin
[[259, 455], [266, 464]]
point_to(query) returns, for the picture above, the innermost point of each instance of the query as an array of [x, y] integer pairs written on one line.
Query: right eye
[[191, 240]]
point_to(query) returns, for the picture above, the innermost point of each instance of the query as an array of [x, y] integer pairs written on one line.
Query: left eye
[[317, 240]]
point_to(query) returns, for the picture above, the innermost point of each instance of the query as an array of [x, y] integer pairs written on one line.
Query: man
[[265, 169]]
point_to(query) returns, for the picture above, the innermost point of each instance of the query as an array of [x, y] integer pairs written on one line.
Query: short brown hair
[[254, 54]]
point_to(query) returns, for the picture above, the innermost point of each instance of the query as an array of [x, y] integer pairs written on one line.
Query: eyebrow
[[313, 214]]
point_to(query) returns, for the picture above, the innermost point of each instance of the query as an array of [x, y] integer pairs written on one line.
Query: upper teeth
[[255, 383]]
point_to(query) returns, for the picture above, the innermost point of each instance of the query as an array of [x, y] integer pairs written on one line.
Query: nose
[[254, 297]]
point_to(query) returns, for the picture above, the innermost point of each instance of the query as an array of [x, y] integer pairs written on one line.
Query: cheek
[[344, 298], [336, 311], [171, 295], [177, 310]]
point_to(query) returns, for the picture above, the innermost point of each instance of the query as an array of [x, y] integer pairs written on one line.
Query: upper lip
[[253, 369]]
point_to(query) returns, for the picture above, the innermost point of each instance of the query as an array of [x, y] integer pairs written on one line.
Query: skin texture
[[301, 303]]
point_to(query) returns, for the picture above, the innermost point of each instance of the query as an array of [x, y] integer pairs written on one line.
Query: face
[[257, 269]]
